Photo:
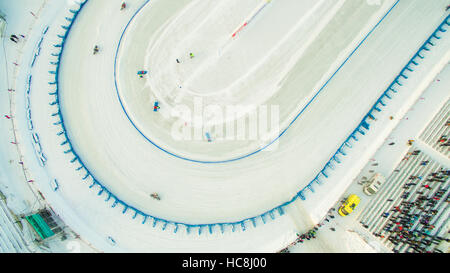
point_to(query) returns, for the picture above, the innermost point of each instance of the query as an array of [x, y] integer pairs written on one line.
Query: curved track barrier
[[321, 177]]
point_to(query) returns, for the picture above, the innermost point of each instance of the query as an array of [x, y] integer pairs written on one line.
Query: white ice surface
[[130, 166], [196, 193]]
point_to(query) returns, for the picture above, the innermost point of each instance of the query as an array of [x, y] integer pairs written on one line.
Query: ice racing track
[[221, 191]]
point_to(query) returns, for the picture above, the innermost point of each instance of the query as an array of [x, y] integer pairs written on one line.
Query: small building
[[43, 224]]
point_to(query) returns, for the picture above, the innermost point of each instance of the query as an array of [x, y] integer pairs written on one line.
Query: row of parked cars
[[370, 188]]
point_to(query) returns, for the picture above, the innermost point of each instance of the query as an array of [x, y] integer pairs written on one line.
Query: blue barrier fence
[[329, 166]]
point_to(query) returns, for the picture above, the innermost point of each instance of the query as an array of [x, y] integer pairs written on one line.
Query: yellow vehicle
[[349, 205]]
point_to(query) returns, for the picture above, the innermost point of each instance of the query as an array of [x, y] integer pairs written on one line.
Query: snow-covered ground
[[409, 121], [323, 64]]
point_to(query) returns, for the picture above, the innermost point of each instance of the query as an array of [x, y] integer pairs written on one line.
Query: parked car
[[349, 205], [374, 184]]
